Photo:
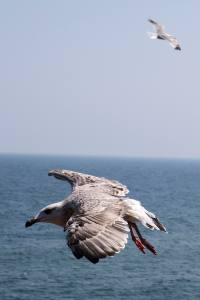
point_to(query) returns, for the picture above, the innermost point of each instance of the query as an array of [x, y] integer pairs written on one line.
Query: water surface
[[36, 263]]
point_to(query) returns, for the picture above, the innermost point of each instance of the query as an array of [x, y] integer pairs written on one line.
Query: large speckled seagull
[[97, 216], [161, 34]]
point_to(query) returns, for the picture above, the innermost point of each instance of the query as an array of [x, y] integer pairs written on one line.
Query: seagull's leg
[[136, 239], [143, 241]]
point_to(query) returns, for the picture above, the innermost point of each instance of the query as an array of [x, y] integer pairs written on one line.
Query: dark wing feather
[[97, 235], [159, 28], [173, 42]]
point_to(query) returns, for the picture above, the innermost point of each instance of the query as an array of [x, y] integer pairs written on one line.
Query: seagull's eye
[[48, 211]]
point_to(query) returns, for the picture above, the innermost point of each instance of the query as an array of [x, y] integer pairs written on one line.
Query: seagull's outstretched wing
[[173, 41], [77, 179], [158, 27], [97, 235]]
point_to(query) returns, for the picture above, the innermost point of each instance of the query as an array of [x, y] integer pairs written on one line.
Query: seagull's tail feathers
[[135, 213], [152, 35], [156, 221]]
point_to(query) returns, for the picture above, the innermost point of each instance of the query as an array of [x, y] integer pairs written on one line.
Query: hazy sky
[[82, 77]]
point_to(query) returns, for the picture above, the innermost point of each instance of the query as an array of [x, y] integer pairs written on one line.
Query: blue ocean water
[[35, 263]]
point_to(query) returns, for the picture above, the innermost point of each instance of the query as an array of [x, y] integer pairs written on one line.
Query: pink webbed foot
[[140, 242]]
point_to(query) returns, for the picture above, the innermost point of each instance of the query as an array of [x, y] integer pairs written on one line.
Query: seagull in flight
[[161, 34], [97, 216]]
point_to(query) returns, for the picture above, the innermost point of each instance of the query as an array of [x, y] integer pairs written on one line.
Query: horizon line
[[109, 156]]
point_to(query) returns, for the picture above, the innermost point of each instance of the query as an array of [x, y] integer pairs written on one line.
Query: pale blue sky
[[82, 77]]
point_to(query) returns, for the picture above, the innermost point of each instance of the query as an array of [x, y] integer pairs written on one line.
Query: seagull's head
[[53, 213]]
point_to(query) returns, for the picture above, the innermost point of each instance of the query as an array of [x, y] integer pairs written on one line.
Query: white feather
[[135, 212], [152, 35]]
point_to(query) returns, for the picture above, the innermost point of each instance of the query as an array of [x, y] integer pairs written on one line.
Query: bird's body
[[97, 216], [161, 34]]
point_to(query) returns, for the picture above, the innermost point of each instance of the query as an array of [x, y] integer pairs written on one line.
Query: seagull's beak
[[31, 222]]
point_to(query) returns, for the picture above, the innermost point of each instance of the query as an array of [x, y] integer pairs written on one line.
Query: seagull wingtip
[[50, 173], [54, 172], [151, 21]]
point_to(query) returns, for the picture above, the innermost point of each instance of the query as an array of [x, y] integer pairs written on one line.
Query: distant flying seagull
[[163, 35], [97, 216]]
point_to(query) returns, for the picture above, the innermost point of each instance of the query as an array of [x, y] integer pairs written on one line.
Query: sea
[[35, 262]]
